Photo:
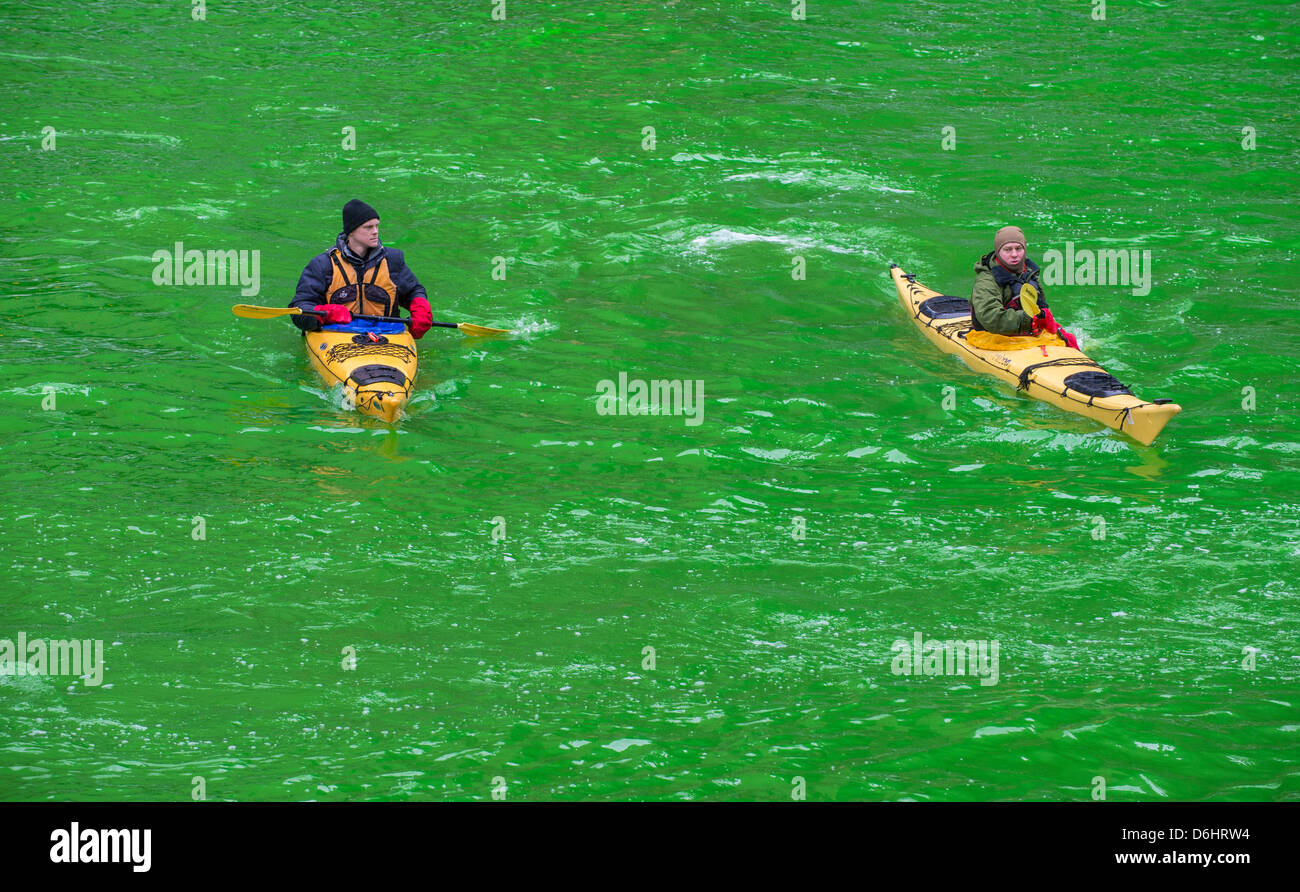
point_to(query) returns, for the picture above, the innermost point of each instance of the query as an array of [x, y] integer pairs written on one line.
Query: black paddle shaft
[[399, 320]]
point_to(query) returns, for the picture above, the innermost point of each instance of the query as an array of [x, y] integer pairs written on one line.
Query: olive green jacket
[[989, 301]]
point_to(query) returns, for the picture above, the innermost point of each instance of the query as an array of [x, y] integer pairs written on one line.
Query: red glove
[[1070, 340], [1044, 322], [335, 314], [421, 317]]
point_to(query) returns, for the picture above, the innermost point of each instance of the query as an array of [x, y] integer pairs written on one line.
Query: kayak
[[374, 361], [1053, 373]]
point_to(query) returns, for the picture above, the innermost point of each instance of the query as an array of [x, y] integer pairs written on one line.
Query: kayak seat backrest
[[945, 306], [1097, 384], [371, 374]]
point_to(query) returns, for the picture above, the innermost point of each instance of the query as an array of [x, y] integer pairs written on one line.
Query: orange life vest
[[376, 296]]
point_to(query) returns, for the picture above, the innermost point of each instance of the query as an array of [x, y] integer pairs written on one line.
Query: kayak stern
[[1146, 422]]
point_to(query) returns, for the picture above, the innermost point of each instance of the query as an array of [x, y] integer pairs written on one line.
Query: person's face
[[1011, 253], [367, 234]]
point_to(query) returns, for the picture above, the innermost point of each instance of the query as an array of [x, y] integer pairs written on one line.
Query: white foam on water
[[623, 743]]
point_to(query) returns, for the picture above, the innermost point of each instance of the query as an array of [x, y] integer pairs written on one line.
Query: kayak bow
[[375, 362]]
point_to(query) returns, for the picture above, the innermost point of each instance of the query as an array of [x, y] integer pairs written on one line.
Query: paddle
[[248, 311]]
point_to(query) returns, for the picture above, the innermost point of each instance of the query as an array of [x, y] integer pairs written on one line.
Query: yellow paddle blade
[[480, 331], [248, 311], [1029, 299]]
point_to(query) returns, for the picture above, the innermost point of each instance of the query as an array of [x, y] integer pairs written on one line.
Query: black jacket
[[315, 279]]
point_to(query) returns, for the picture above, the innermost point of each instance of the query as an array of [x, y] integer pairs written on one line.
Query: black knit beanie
[[356, 212]]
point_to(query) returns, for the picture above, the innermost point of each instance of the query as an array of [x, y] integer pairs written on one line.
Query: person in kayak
[[1007, 297], [359, 275]]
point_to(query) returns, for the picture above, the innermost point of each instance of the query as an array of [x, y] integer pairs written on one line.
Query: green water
[[502, 558]]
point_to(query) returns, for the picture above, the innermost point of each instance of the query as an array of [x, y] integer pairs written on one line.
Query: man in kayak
[[1007, 298], [359, 275]]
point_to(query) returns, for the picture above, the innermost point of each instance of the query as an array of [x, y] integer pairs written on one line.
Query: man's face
[[367, 234], [1012, 253]]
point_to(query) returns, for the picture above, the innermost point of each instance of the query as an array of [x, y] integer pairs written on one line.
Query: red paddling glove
[[1070, 340], [1044, 322], [421, 317], [335, 314]]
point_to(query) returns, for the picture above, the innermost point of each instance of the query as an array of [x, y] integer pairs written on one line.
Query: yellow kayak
[[1051, 372], [374, 361]]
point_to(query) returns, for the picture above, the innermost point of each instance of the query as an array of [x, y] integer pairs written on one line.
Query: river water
[[510, 591]]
